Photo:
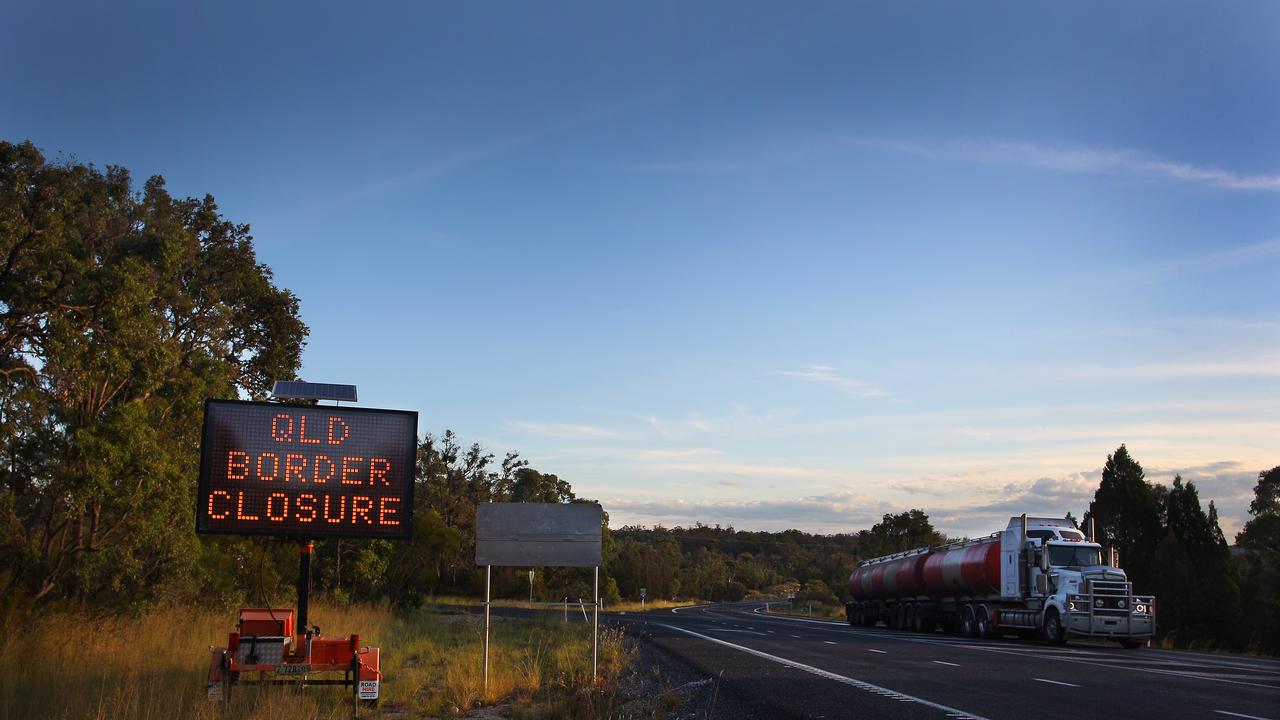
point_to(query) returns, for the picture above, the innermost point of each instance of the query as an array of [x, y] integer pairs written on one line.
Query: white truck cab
[[1083, 593]]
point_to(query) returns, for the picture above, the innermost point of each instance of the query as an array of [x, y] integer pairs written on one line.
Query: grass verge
[[75, 665]]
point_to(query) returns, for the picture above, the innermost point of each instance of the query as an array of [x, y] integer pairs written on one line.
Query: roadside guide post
[[642, 594]]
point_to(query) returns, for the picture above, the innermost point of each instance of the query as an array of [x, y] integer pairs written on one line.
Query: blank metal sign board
[[538, 534]]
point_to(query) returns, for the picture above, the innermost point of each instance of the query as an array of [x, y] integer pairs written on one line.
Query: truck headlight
[[1140, 609]]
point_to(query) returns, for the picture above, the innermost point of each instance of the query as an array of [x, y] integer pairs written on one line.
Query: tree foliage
[[120, 312], [1260, 587], [1127, 515]]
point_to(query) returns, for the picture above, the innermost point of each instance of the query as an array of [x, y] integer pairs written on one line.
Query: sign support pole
[[595, 627], [488, 572], [305, 547]]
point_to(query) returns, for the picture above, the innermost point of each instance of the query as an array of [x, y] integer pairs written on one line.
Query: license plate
[[293, 669]]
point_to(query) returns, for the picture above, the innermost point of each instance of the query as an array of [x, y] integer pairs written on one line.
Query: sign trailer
[[302, 473]]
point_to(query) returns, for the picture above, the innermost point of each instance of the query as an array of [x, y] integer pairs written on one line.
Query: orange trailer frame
[[268, 642]]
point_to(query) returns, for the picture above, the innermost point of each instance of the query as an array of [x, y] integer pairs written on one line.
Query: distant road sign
[[306, 471], [538, 534]]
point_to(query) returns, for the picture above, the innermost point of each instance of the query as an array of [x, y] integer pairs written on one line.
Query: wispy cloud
[[1216, 260], [1267, 367], [833, 512], [831, 377], [564, 430], [1101, 161], [685, 167], [745, 469]]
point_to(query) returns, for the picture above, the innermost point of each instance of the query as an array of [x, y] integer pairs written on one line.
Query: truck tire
[[1054, 631], [968, 623], [982, 622]]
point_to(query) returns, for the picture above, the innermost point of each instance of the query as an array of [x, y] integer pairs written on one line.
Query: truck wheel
[[982, 624], [1054, 631]]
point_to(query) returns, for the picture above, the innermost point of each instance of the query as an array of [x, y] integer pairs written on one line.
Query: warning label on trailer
[[306, 472]]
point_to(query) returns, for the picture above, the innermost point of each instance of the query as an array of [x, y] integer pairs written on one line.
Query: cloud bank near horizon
[[1228, 483]]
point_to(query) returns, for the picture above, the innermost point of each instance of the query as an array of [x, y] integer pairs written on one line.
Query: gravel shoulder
[[663, 684]]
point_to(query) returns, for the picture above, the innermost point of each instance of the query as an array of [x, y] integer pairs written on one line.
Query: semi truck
[[1037, 577]]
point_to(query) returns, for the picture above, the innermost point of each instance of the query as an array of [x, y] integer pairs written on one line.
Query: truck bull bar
[[1110, 609]]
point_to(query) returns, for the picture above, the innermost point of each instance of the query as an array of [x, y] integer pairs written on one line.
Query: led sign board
[[306, 471]]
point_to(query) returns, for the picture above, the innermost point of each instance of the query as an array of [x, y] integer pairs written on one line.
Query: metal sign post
[[488, 576], [540, 535]]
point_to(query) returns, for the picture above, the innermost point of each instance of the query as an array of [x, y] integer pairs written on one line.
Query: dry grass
[[72, 666], [804, 608], [652, 605]]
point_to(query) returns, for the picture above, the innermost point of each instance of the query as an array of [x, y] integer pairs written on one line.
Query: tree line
[[123, 309]]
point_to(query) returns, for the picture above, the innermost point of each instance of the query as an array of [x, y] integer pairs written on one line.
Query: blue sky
[[761, 264]]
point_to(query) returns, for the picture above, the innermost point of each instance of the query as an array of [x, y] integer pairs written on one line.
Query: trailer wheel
[[968, 623], [228, 679], [1054, 631]]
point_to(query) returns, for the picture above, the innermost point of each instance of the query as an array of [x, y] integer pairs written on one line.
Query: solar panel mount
[[299, 390]]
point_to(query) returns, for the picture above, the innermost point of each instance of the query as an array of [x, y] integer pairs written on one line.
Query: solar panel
[[296, 389]]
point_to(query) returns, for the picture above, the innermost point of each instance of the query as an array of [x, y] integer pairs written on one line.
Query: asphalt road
[[800, 667]]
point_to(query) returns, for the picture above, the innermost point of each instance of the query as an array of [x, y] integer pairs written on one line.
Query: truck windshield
[[1069, 556]]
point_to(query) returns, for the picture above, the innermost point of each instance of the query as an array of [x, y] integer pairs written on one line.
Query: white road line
[[796, 637], [882, 652], [1055, 682], [944, 662], [860, 684], [1240, 715], [828, 642], [1007, 649]]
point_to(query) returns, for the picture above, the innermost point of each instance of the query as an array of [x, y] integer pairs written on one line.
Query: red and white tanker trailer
[[1039, 576]]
